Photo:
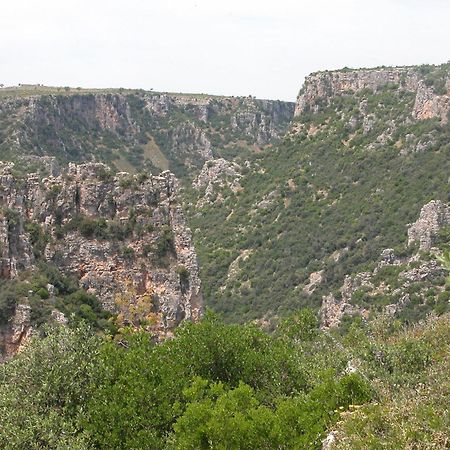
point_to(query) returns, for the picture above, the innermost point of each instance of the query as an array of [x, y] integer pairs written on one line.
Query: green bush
[[43, 391]]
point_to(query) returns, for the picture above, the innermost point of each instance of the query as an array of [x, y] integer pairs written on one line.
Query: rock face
[[15, 336], [321, 87], [433, 216], [333, 310], [15, 248], [216, 173], [429, 105], [138, 128], [52, 125], [114, 234], [315, 278]]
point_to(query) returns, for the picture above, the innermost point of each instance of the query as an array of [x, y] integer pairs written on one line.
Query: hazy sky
[[233, 47]]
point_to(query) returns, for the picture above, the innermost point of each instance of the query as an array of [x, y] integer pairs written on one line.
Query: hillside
[[280, 230], [134, 130], [285, 212]]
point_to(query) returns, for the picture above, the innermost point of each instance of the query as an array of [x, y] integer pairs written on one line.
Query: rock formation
[[433, 216], [113, 233], [216, 173], [321, 87], [15, 336], [411, 270], [136, 127]]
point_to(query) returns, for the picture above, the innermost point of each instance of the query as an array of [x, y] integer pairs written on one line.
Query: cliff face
[[320, 88], [16, 334], [140, 129], [123, 237]]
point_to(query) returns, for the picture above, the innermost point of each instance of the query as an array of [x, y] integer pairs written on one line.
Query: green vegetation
[[334, 191], [99, 228], [436, 77], [42, 391], [229, 386], [27, 90], [412, 409], [136, 139], [341, 186], [163, 249], [32, 288]]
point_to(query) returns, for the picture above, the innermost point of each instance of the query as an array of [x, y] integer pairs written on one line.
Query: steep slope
[[367, 149], [121, 238], [407, 284], [135, 130]]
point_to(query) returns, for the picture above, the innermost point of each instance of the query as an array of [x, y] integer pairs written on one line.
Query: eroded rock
[[106, 231], [433, 216]]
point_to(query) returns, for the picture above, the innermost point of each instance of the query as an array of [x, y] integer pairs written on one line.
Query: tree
[[43, 391], [135, 311]]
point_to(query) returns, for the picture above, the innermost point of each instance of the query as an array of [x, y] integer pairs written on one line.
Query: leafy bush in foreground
[[224, 386]]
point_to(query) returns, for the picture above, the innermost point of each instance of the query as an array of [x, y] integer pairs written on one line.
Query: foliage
[[136, 311], [99, 228], [10, 293], [38, 238], [222, 418], [412, 410], [139, 140], [165, 246], [229, 386], [44, 390], [337, 190], [210, 373], [32, 288]]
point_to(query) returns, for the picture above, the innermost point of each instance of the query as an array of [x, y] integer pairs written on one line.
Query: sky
[[227, 47]]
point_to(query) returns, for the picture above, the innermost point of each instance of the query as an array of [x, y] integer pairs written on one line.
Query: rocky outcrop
[[114, 233], [333, 310], [16, 334], [433, 216], [190, 142], [262, 119], [409, 270], [427, 271], [315, 279], [428, 104], [234, 268], [216, 173], [39, 125], [321, 88], [15, 248]]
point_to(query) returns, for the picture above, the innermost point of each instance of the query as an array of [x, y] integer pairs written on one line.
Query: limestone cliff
[[123, 237], [14, 336], [320, 88], [130, 130]]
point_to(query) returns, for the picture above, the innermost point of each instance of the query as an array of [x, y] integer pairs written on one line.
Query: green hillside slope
[[356, 167]]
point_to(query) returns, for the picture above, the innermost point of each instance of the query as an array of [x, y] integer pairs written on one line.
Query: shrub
[[43, 293]]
